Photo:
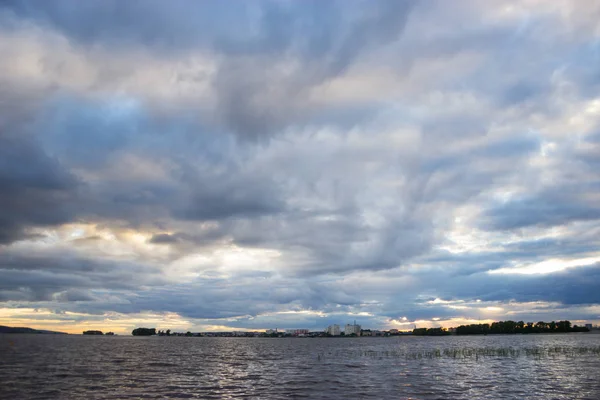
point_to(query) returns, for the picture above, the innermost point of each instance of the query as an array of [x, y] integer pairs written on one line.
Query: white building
[[297, 332], [333, 330], [352, 329]]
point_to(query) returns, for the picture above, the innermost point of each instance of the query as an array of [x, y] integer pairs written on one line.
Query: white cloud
[[376, 168]]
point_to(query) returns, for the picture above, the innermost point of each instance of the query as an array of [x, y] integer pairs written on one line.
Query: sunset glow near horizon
[[199, 166]]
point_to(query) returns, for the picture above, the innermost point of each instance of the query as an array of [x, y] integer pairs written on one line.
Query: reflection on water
[[483, 367]]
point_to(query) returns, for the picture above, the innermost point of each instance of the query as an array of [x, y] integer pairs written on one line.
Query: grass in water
[[471, 352]]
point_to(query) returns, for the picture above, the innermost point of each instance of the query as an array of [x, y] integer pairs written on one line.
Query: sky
[[203, 165]]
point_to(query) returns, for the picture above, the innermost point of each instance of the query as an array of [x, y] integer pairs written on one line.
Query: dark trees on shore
[[430, 332], [144, 332], [519, 327]]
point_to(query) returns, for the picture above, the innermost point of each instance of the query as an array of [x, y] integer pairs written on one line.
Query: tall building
[[352, 329], [333, 330]]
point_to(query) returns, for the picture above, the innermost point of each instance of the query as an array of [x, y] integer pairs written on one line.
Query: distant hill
[[9, 329]]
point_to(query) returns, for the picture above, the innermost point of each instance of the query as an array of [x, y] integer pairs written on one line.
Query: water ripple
[[508, 367]]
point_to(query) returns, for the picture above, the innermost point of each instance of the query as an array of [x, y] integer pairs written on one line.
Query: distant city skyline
[[194, 166]]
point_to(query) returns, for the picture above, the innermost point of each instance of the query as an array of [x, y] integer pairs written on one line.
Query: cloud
[[37, 189], [565, 196], [164, 238], [54, 275], [298, 164], [256, 91], [547, 209]]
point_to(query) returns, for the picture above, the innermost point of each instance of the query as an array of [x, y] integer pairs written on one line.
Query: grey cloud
[[183, 23], [206, 299], [563, 200], [36, 189], [514, 148], [261, 27], [575, 286], [224, 199], [54, 275], [571, 286], [584, 71], [578, 243], [589, 156], [247, 296], [88, 133], [560, 295], [73, 295], [36, 285], [164, 238], [229, 184], [549, 208], [522, 92], [40, 188], [256, 95], [203, 237], [257, 99]]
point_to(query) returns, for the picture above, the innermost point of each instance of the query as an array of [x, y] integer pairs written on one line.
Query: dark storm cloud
[[74, 295], [229, 198], [226, 187], [551, 247], [46, 275], [36, 190], [571, 286], [552, 207], [526, 297], [164, 238], [39, 188], [246, 296]]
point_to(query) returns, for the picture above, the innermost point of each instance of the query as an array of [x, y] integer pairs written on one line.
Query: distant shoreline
[[19, 329], [30, 331]]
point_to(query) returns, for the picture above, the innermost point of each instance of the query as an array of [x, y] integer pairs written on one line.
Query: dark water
[[490, 367]]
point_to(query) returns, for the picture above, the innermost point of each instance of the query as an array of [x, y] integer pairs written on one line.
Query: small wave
[[160, 364]]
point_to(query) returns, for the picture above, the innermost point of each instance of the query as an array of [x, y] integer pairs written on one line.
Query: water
[[458, 367]]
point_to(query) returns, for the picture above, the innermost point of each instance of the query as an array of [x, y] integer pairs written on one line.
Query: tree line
[[152, 332], [430, 332], [504, 327], [144, 332], [508, 327]]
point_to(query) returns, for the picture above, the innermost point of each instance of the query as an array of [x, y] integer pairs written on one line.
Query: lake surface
[[563, 366]]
